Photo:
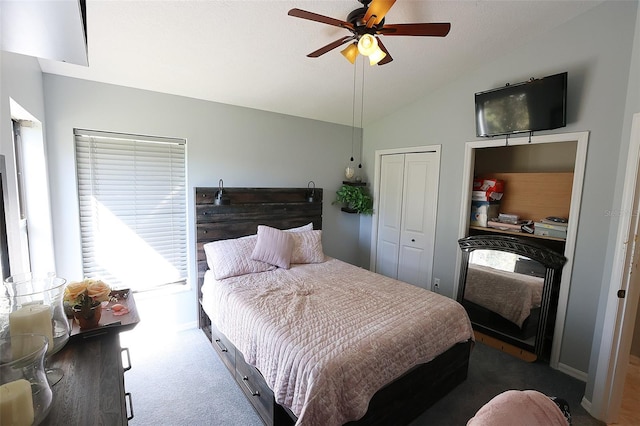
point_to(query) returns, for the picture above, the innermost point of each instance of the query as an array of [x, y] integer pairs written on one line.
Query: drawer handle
[[127, 396], [222, 347], [245, 380], [128, 367]]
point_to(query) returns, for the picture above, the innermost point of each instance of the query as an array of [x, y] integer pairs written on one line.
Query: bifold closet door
[[407, 214], [390, 214]]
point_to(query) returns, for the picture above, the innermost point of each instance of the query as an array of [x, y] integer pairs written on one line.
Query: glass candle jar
[[25, 394], [33, 303]]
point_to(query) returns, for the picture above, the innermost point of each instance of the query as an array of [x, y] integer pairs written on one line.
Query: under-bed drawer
[[224, 348], [254, 387]]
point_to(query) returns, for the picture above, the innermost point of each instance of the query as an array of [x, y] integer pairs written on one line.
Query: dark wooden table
[[92, 390]]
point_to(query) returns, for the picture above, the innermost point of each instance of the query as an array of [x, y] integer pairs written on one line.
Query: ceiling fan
[[365, 24]]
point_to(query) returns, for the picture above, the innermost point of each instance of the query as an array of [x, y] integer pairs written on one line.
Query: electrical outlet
[[436, 285]]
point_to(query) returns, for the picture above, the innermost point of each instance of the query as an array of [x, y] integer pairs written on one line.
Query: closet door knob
[[413, 240]]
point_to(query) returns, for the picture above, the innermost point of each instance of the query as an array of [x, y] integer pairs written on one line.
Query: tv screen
[[535, 105]]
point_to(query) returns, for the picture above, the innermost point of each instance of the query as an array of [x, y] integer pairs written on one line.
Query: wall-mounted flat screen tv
[[535, 105]]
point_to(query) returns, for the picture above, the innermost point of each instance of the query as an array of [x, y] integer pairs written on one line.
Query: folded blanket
[[525, 408]]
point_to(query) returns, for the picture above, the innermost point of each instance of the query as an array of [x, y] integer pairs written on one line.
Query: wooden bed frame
[[397, 403]]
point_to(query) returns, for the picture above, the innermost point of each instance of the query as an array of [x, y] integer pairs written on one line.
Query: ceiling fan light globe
[[376, 57], [367, 44], [351, 53]]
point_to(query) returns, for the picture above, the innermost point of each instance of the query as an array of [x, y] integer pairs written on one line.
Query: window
[[23, 230], [5, 269], [19, 164], [132, 197], [28, 208]]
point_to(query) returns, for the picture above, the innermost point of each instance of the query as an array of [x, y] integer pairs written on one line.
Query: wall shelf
[[348, 210], [514, 233]]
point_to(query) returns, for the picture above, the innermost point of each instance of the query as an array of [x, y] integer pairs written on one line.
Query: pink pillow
[[307, 247], [273, 246], [514, 407], [230, 258]]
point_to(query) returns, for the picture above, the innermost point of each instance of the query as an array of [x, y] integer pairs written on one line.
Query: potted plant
[[85, 299], [356, 199]]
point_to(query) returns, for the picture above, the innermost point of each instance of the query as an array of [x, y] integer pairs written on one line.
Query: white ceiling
[[252, 54]]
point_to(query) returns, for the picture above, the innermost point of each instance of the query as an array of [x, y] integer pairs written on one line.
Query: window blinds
[[132, 198]]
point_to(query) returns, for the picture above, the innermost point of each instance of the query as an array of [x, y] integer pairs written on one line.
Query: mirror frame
[[551, 260]]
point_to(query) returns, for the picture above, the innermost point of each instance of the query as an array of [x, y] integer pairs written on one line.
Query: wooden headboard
[[280, 208]]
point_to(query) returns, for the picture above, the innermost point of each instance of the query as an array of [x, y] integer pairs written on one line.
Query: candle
[[16, 403], [30, 319]]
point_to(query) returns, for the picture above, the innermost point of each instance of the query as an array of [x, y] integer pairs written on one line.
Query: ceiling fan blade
[[387, 58], [330, 46], [436, 29], [299, 13], [377, 9]]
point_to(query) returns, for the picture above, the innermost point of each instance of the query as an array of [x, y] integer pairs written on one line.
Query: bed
[[307, 350]]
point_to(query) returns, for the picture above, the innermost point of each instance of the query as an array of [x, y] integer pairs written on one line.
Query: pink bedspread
[[327, 336], [509, 294]]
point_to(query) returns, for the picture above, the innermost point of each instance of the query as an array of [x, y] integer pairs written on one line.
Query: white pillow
[[273, 246], [307, 247], [230, 258]]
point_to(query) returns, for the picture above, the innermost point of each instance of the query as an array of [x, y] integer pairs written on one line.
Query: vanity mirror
[[509, 287]]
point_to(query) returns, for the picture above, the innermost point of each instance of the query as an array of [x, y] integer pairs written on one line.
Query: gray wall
[[244, 147], [632, 106], [595, 49]]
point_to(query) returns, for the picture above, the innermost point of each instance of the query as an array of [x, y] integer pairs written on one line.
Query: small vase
[[349, 172], [89, 317]]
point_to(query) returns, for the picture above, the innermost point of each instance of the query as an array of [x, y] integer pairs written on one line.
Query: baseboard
[[586, 404], [576, 374]]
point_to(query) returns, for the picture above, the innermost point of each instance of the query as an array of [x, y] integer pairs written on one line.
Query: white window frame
[[133, 208]]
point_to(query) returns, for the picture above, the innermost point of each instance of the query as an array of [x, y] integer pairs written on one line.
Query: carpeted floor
[[177, 379], [492, 372]]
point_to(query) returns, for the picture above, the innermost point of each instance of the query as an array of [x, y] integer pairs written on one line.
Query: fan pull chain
[[353, 113], [361, 114]]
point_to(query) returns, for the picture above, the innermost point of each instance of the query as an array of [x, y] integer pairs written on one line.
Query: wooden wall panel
[[535, 195]]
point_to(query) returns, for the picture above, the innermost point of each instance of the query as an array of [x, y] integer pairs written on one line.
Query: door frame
[[436, 149], [582, 139], [620, 314]]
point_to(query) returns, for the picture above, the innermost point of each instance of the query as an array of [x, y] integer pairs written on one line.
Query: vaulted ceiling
[[252, 54]]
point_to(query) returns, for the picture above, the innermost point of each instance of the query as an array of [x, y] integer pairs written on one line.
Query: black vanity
[[509, 287]]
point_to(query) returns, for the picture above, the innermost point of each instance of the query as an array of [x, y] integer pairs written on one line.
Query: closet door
[[390, 214], [417, 236], [406, 216]]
